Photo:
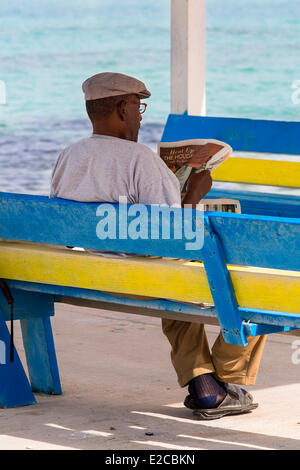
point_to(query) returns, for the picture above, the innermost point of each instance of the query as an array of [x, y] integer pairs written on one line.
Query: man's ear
[[121, 110]]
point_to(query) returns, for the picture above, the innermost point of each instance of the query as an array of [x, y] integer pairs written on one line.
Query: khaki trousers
[[191, 356]]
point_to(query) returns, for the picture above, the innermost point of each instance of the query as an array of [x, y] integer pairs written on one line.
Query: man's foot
[[230, 400], [205, 392]]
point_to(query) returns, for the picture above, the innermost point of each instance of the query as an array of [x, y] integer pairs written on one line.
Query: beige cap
[[108, 84]]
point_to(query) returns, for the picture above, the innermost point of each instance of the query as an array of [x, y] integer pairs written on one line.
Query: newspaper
[[187, 156]]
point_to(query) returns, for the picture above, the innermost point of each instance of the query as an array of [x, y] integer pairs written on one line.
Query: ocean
[[48, 48]]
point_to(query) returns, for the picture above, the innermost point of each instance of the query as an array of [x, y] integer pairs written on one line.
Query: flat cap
[[108, 84]]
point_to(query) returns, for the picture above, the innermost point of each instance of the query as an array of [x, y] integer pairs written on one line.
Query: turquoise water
[[47, 49]]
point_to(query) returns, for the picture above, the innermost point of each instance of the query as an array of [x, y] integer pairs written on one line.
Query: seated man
[[109, 164]]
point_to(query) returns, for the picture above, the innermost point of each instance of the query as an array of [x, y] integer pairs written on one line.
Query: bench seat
[[181, 280]]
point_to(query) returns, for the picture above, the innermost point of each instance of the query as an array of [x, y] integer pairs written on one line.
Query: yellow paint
[[172, 279], [256, 171]]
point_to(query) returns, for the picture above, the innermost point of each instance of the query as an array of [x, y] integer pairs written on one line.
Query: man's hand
[[198, 185]]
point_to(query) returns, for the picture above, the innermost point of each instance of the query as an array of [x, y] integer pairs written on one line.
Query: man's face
[[134, 117]]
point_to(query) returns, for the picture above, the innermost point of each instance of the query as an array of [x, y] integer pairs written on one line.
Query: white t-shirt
[[101, 168]]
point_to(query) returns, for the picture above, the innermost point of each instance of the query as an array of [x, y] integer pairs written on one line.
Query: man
[[110, 164]]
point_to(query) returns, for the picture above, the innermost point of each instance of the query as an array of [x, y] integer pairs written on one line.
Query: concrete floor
[[120, 393]]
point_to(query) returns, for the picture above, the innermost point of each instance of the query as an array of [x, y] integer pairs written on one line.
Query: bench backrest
[[268, 242], [245, 135]]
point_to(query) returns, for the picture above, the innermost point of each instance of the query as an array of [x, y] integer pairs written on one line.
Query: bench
[[257, 172], [247, 274]]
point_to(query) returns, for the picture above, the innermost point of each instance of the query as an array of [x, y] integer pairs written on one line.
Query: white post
[[188, 56]]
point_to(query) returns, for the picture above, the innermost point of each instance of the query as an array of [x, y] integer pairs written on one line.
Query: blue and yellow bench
[[248, 270]]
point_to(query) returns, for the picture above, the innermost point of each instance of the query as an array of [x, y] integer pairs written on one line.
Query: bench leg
[[15, 389], [40, 355]]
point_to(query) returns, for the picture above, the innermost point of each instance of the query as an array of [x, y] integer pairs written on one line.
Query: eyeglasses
[[142, 108]]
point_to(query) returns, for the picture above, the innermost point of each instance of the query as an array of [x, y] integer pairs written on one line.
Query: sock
[[207, 392]]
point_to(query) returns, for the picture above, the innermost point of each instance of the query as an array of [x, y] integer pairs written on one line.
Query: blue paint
[[30, 218], [34, 310], [257, 203], [221, 289], [246, 239], [251, 135], [252, 329], [14, 386], [262, 241], [55, 385], [270, 317], [40, 355], [27, 305]]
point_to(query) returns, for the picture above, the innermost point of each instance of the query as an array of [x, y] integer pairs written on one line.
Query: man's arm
[[198, 185]]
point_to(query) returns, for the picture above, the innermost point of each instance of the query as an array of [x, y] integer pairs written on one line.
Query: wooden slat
[[249, 240], [258, 171], [275, 137], [250, 135], [140, 311], [259, 203], [69, 223], [270, 242], [208, 320], [172, 279]]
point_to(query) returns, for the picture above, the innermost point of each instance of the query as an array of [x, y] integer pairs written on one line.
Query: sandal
[[237, 401]]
